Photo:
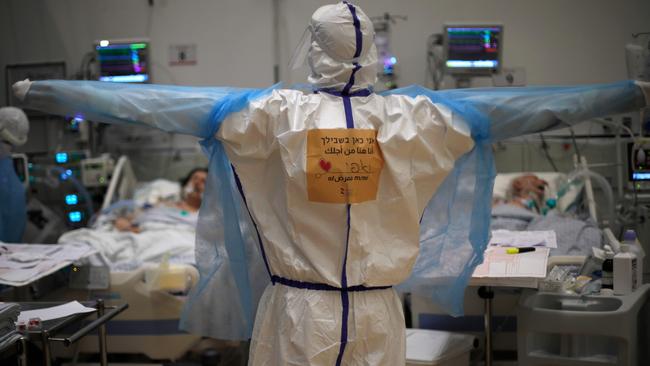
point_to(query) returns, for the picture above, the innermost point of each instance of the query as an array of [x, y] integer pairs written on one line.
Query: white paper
[[507, 238], [55, 312], [427, 346], [21, 264], [497, 263]]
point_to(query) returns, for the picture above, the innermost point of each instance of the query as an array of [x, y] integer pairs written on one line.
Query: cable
[[435, 73], [637, 142], [546, 154], [149, 19], [164, 68], [573, 139]]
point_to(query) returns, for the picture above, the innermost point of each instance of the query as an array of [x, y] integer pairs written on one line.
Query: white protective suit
[[314, 240], [336, 183]]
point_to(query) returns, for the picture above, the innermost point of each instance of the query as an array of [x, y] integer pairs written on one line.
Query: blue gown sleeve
[[227, 258], [455, 226], [515, 112], [177, 109]]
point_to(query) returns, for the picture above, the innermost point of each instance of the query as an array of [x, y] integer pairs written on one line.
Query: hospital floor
[[213, 353]]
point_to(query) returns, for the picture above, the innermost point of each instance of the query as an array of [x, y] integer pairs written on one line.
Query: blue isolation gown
[[13, 213], [425, 227]]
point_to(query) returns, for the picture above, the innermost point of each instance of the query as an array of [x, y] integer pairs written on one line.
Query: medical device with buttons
[[639, 167], [96, 172]]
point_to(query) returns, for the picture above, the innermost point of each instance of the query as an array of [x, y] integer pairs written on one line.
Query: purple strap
[[259, 238], [358, 93], [345, 299], [348, 86], [323, 286], [357, 29], [347, 106], [358, 46], [349, 121]]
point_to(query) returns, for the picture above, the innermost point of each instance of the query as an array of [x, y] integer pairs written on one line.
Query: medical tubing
[[636, 143], [604, 185]]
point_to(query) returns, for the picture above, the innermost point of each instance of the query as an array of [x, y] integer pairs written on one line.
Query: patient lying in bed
[[187, 207], [526, 191], [129, 234], [522, 208]]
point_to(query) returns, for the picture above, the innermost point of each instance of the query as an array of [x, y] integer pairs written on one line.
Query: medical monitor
[[123, 61], [473, 49], [639, 168]]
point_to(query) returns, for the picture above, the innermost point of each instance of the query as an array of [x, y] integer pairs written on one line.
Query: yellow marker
[[520, 250]]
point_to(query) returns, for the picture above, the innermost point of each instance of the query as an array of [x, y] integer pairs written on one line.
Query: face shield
[[338, 37]]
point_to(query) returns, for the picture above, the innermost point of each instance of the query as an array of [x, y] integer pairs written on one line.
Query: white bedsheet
[[22, 264], [164, 232], [147, 246]]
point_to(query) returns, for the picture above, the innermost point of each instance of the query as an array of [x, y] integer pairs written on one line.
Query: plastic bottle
[[608, 272], [631, 244], [625, 273]]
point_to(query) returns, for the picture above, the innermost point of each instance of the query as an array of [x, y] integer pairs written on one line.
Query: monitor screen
[[473, 48], [639, 169], [123, 61]]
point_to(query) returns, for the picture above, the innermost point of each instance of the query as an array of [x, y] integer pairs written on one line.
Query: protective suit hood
[[14, 126], [342, 49]]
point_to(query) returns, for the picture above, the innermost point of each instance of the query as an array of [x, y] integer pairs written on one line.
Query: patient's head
[[528, 185], [193, 186], [527, 191]]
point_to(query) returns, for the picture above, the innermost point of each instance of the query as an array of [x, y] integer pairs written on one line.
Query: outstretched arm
[[519, 111], [170, 108]]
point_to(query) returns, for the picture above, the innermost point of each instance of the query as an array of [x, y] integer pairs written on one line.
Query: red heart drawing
[[325, 165]]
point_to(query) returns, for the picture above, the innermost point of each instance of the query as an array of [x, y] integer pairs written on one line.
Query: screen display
[[473, 47], [639, 170], [123, 62]]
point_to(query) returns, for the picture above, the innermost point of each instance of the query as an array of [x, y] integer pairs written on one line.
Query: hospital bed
[[155, 292], [424, 314]]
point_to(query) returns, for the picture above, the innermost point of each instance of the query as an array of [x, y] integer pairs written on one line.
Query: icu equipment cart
[[557, 329]]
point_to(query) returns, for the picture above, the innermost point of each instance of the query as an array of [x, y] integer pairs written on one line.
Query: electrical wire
[[546, 154], [637, 142], [435, 73], [573, 140]]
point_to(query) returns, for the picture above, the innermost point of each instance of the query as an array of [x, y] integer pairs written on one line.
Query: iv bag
[[637, 56]]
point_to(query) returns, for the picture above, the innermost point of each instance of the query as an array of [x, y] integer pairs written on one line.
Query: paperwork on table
[[55, 312], [507, 238], [22, 264]]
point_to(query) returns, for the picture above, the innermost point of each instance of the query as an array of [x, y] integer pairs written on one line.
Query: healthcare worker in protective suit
[[14, 127], [336, 194]]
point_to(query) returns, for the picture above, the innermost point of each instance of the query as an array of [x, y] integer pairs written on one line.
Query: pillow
[[157, 191]]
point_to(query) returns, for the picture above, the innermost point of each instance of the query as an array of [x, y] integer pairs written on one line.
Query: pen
[[520, 250]]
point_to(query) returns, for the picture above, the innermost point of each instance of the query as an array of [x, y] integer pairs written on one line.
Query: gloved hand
[[22, 87], [645, 87]]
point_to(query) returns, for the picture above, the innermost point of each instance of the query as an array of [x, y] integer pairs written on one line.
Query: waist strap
[[322, 286]]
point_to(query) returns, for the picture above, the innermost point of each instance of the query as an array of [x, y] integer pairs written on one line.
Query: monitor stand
[[463, 81]]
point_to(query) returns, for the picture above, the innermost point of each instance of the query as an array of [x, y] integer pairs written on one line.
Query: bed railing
[[122, 184]]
